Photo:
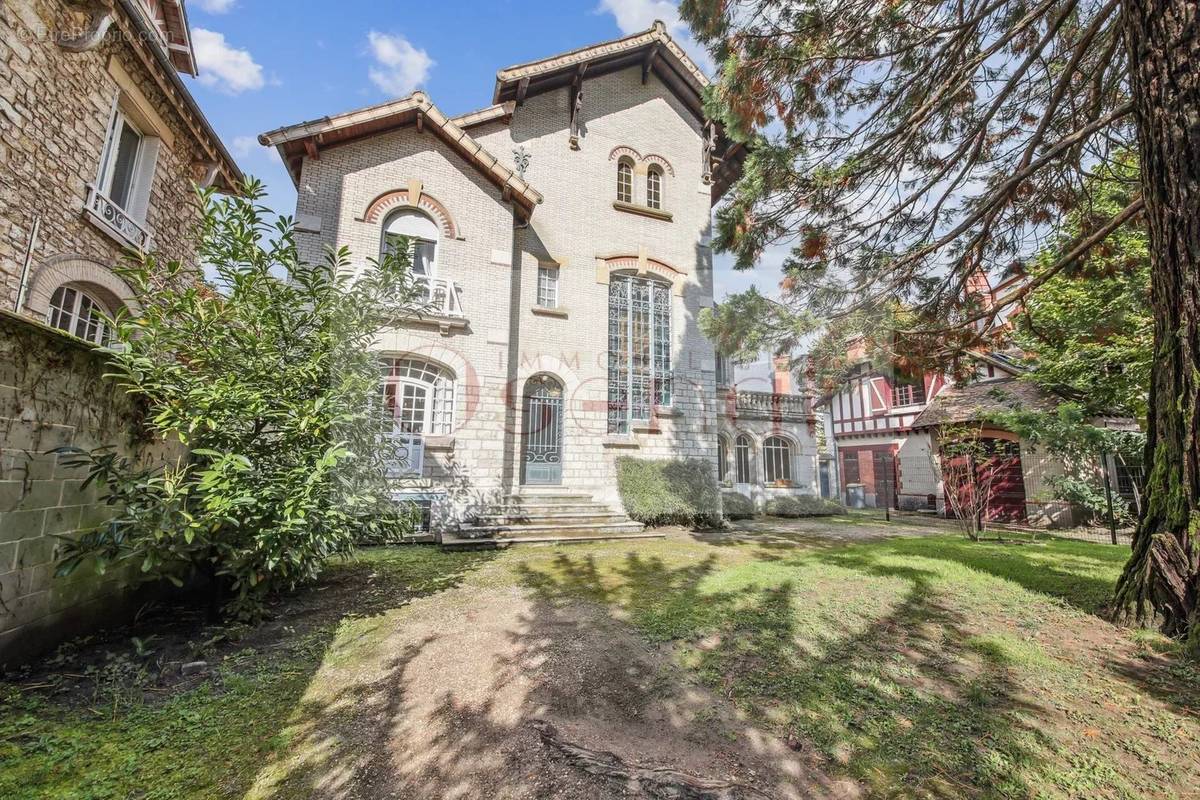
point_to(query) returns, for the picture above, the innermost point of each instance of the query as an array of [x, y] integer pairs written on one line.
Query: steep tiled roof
[[293, 141], [616, 54], [971, 402]]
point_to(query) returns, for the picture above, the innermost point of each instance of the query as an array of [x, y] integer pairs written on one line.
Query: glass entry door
[[543, 432]]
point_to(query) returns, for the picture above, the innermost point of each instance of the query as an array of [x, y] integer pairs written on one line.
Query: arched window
[[741, 450], [639, 349], [422, 235], [625, 181], [777, 460], [418, 398], [722, 459], [654, 181], [75, 311]]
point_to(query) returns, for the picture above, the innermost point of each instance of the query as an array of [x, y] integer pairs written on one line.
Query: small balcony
[[113, 220], [772, 406], [443, 298]]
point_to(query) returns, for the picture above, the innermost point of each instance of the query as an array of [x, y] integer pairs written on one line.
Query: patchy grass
[[923, 667], [919, 666], [129, 729]]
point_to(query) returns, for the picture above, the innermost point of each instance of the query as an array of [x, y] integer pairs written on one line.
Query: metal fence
[[1005, 490]]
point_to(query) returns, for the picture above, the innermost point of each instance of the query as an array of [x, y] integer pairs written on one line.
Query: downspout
[[23, 285]]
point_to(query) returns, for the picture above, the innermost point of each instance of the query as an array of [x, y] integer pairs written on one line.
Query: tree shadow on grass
[[909, 702], [1082, 575]]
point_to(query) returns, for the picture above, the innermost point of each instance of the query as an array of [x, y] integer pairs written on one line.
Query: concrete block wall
[[53, 394]]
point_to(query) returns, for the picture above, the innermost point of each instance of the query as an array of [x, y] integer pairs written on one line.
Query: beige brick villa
[[563, 232]]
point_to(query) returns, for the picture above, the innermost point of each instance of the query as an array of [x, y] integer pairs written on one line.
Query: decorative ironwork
[[543, 430], [639, 350], [113, 217], [521, 158], [441, 297]]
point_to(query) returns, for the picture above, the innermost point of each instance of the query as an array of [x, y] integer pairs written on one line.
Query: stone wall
[[55, 108], [53, 394]]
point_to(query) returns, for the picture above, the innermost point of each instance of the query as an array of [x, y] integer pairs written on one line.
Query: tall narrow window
[[722, 459], [119, 171], [547, 287], [624, 181], [639, 350], [777, 460], [76, 312], [654, 188], [741, 451]]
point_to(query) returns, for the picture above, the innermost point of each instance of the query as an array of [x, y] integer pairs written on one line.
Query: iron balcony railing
[[113, 217], [786, 406], [442, 297]]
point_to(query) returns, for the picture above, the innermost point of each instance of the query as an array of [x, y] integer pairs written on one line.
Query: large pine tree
[[901, 148]]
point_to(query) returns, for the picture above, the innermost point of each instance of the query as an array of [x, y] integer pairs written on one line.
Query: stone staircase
[[545, 516]]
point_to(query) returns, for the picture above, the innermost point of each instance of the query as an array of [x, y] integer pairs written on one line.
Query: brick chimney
[[781, 378]]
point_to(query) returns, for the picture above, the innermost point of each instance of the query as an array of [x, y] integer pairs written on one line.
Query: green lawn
[[922, 667]]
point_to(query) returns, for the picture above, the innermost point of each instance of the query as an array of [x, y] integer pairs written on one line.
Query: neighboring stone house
[[100, 144], [563, 233], [767, 440]]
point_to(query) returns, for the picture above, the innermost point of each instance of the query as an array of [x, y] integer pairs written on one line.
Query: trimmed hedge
[[669, 491], [737, 505], [802, 506]]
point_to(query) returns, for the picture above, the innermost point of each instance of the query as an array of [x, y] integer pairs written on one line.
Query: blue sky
[[266, 64]]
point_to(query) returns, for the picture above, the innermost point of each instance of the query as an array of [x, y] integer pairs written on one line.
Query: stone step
[[546, 508], [599, 516], [455, 542], [549, 498], [551, 529]]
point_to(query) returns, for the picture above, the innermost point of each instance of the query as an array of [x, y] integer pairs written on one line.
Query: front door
[[543, 432]]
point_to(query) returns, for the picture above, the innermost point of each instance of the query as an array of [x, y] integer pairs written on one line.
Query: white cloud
[[223, 66], [399, 67], [248, 147], [216, 6], [633, 16]]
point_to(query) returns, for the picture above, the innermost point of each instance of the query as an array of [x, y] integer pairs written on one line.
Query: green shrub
[[269, 378], [737, 505], [802, 506], [669, 491]]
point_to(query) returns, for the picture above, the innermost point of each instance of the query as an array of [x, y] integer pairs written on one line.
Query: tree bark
[[1162, 577]]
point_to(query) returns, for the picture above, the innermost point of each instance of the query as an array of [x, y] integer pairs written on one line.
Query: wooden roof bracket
[[648, 62], [522, 90], [576, 104]]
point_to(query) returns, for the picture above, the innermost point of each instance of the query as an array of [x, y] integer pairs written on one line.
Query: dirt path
[[492, 693]]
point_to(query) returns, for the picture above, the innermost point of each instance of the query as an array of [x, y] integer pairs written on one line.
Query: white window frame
[[108, 164], [65, 319], [624, 187], [778, 454], [654, 188], [743, 459], [547, 287]]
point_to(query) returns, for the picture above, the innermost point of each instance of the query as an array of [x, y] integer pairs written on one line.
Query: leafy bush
[[737, 506], [669, 491], [268, 379], [802, 506]]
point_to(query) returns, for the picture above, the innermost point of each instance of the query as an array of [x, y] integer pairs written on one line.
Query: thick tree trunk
[[1163, 574]]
